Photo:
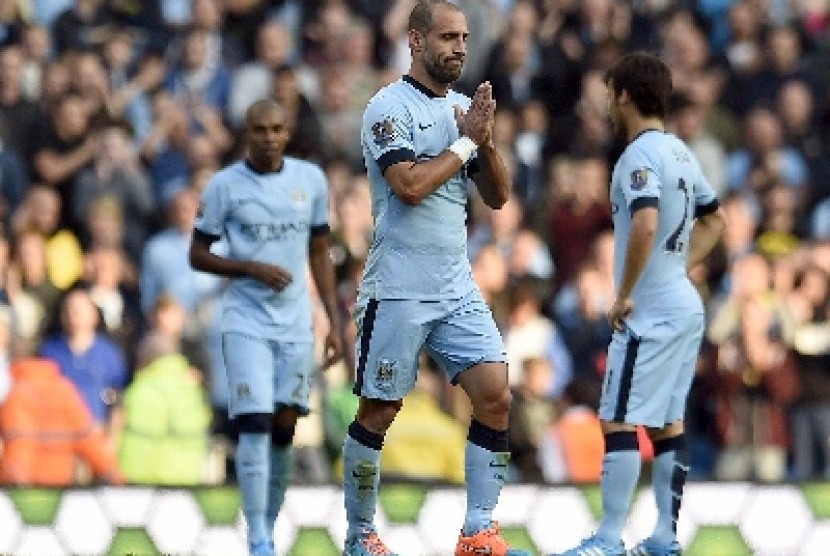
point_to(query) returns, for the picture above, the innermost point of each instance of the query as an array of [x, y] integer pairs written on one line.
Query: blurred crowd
[[115, 113]]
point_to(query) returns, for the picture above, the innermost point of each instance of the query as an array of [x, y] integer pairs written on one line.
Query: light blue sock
[[282, 464], [671, 465], [361, 477], [485, 467], [620, 473], [252, 474]]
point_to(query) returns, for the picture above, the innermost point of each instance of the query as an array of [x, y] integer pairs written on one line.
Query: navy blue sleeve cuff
[[202, 237], [643, 202], [319, 230], [393, 157], [703, 210]]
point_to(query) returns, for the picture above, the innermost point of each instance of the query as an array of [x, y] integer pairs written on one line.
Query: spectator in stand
[[810, 414], [531, 413], [47, 430], [83, 26], [572, 447], [67, 145], [752, 329], [426, 443], [531, 335], [112, 286], [116, 173], [87, 356], [579, 211], [20, 115], [34, 296], [41, 212], [6, 332], [765, 159], [198, 82], [300, 116], [167, 418], [253, 80]]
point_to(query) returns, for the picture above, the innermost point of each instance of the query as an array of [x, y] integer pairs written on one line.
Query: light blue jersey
[[267, 218], [418, 252], [657, 169]]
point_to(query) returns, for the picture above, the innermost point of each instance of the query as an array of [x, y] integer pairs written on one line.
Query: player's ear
[[416, 40]]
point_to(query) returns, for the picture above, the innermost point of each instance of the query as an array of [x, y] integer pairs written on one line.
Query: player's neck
[[641, 125], [422, 77], [262, 167]]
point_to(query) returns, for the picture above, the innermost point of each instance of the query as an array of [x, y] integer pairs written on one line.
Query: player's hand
[[270, 275], [477, 122], [621, 308], [333, 349]]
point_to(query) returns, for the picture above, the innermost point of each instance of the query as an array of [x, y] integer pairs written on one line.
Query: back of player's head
[[646, 79], [420, 18]]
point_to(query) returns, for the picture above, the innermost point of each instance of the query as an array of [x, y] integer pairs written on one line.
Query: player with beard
[[422, 143]]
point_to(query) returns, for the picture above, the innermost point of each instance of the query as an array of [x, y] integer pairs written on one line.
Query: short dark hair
[[646, 79], [420, 18]]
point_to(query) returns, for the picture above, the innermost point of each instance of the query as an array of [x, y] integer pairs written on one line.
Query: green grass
[[817, 496], [718, 541], [313, 541], [219, 505], [402, 503], [518, 537], [132, 542], [37, 506]]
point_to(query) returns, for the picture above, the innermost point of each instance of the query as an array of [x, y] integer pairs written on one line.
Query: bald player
[[272, 211]]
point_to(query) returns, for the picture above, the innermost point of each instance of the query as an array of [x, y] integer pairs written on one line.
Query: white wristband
[[464, 148]]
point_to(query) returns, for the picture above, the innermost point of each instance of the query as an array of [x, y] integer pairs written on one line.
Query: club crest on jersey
[[298, 196], [383, 132], [385, 374], [639, 178], [243, 391]]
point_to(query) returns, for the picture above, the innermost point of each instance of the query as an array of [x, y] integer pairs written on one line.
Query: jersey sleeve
[[706, 200], [320, 204], [387, 131], [210, 217], [639, 181]]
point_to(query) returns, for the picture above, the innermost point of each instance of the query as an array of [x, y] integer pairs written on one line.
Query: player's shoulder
[[393, 92], [227, 174], [308, 170]]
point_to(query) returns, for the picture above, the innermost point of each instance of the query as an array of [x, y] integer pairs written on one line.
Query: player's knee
[[282, 435], [253, 423], [495, 402], [378, 415]]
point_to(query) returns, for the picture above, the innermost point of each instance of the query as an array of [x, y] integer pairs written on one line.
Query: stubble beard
[[441, 73]]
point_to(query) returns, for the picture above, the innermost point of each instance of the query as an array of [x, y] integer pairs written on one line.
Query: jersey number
[[673, 243]]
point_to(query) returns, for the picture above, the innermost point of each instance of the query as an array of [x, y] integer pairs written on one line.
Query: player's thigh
[[249, 362], [465, 336], [688, 352], [390, 335], [647, 376], [293, 371]]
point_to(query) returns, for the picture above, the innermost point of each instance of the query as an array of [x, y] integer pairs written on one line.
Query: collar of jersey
[[646, 130], [253, 170], [421, 87]]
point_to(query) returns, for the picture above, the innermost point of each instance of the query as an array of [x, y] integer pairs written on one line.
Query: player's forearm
[[412, 182], [322, 271], [640, 242], [492, 180], [706, 233], [202, 259]]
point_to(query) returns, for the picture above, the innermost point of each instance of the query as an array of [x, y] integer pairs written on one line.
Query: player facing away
[[272, 210], [666, 220], [421, 141]]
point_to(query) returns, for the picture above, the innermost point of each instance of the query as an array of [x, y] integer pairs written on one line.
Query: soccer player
[[421, 141], [666, 220], [272, 211]]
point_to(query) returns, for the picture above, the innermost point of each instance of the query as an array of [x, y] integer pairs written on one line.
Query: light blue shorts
[[456, 334], [264, 375], [647, 377]]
